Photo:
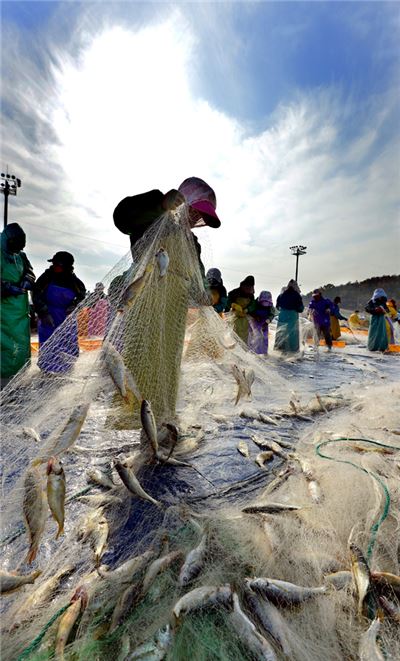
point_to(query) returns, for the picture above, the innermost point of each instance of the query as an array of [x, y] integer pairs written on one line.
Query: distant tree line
[[355, 295]]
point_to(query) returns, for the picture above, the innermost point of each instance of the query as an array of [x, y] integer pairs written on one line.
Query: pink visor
[[207, 212]]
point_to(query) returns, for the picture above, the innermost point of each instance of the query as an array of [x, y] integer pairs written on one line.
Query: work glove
[[8, 289], [380, 310], [238, 310], [28, 281], [46, 319]]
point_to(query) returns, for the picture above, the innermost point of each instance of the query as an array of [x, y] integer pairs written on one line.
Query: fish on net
[[144, 557]]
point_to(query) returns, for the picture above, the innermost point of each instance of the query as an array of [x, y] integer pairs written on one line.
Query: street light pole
[[297, 251], [8, 187]]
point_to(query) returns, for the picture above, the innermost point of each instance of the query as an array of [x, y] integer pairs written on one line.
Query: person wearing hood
[[241, 302], [335, 317], [377, 334], [134, 215], [320, 310], [153, 327], [260, 318], [218, 293], [17, 279], [290, 304], [55, 295]]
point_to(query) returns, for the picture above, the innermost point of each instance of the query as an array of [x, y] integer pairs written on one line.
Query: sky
[[289, 110]]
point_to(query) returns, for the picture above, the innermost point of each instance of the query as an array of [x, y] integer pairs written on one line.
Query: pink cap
[[200, 196]]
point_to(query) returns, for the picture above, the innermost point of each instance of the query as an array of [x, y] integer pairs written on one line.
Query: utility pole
[[297, 251], [8, 186]]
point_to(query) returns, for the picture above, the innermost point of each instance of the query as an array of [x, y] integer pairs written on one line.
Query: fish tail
[[31, 555], [60, 529]]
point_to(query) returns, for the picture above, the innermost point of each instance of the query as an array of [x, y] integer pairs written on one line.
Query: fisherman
[[377, 334], [135, 215], [172, 277], [335, 317], [99, 309], [241, 302], [56, 294], [260, 318], [320, 309], [218, 293], [17, 279], [290, 304]]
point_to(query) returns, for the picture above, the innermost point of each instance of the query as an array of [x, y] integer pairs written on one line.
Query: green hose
[[375, 527]]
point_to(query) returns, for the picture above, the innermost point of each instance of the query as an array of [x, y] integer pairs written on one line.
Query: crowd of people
[[58, 291]]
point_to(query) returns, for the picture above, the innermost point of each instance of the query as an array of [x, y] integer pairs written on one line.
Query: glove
[[238, 310], [47, 320], [8, 289], [28, 281], [172, 200], [379, 310]]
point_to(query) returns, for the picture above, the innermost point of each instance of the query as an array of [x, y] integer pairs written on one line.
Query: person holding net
[[167, 256]]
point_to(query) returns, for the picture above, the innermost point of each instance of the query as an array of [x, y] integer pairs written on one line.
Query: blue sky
[[289, 109]]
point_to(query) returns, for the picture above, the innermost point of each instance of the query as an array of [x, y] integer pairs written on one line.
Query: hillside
[[355, 295]]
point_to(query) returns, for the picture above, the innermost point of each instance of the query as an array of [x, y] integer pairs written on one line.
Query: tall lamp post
[[297, 251], [8, 186]]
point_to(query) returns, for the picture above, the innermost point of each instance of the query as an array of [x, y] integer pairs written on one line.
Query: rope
[[36, 641], [375, 526], [20, 531]]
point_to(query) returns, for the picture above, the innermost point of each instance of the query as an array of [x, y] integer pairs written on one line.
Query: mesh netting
[[135, 537]]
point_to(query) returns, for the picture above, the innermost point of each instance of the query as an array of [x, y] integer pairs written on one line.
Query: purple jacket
[[321, 310]]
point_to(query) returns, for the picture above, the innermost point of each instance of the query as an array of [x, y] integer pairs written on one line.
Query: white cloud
[[124, 119]]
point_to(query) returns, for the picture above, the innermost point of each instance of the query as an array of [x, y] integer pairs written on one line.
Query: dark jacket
[[372, 306], [290, 299], [134, 215], [262, 313], [65, 279]]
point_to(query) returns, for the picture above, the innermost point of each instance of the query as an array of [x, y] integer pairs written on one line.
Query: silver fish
[[10, 582], [368, 648], [132, 291], [248, 634], [35, 509], [149, 424], [56, 492], [283, 592], [162, 261], [243, 449], [270, 620], [40, 595], [67, 621], [132, 483], [270, 508], [361, 575], [125, 604], [268, 445], [156, 649], [242, 383], [315, 492], [97, 476], [262, 457], [158, 566], [203, 597], [279, 480], [70, 431], [129, 569], [262, 417], [116, 367], [101, 500], [193, 564]]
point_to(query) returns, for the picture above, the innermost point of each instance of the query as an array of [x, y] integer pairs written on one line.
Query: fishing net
[[314, 438]]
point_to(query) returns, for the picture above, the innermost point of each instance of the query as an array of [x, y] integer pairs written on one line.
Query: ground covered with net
[[170, 495]]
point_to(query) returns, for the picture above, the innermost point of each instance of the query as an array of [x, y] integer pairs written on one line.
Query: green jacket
[[14, 311]]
